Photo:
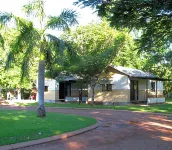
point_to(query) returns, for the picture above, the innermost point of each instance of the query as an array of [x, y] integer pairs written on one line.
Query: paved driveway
[[119, 130]]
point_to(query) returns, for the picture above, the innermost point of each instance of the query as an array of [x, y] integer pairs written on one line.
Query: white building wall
[[142, 90], [159, 85], [120, 82], [120, 93], [51, 83], [52, 94]]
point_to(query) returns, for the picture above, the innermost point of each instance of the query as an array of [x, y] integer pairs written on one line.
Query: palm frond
[[26, 62], [24, 37], [66, 19], [56, 43], [10, 60], [2, 41], [35, 8], [90, 3], [24, 69], [5, 17], [49, 60], [60, 45], [23, 43]]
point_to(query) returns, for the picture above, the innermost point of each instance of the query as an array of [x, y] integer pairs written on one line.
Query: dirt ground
[[118, 130]]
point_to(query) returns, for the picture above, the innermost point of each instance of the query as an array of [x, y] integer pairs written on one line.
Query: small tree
[[95, 46]]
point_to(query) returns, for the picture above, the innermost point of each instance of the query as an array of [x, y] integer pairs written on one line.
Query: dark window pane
[[106, 87], [109, 87], [45, 88], [153, 86], [103, 87]]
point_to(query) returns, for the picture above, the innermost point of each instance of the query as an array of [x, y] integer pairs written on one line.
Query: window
[[45, 88], [153, 86], [106, 87], [103, 87], [109, 87]]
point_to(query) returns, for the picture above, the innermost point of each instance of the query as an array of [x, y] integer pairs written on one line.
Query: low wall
[[156, 100], [75, 99], [50, 101]]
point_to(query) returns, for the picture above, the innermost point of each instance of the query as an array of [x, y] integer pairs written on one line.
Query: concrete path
[[119, 130]]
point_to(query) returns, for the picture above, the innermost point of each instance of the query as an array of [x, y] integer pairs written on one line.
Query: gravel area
[[119, 130]]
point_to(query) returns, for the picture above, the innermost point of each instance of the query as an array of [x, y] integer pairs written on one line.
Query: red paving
[[119, 130]]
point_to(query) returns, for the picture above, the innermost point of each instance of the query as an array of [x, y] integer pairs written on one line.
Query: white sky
[[52, 7]]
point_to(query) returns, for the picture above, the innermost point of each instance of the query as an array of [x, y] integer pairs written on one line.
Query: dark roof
[[135, 73]]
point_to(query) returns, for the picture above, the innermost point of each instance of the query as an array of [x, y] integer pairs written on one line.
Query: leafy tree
[[36, 43], [159, 65], [129, 56], [152, 17], [95, 46], [11, 79]]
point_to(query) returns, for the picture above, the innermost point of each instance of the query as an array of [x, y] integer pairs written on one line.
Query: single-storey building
[[118, 85]]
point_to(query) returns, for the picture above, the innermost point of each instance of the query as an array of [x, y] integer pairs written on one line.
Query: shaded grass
[[19, 126], [158, 108], [168, 99]]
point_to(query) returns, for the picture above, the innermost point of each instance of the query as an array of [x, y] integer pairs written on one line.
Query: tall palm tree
[[35, 42]]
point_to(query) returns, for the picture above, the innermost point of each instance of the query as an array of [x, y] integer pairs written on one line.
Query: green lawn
[[19, 126], [159, 108], [169, 99]]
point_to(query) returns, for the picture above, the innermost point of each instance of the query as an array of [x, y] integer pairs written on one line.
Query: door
[[134, 90], [61, 90], [67, 89]]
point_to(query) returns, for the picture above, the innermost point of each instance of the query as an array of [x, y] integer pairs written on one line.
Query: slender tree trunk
[[41, 109], [92, 94]]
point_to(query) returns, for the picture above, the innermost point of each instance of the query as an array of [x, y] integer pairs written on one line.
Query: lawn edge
[[49, 139]]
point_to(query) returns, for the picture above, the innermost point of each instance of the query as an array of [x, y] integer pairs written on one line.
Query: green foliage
[[128, 56], [95, 45], [20, 126], [159, 66], [32, 42], [10, 78], [153, 18], [36, 9], [29, 45]]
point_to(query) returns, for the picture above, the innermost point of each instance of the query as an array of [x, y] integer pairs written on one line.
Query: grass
[[19, 126], [169, 100], [158, 108]]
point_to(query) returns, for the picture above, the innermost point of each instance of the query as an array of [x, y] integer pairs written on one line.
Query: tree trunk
[[41, 109], [92, 94]]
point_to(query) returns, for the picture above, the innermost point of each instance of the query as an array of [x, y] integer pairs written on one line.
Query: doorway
[[64, 89], [134, 90]]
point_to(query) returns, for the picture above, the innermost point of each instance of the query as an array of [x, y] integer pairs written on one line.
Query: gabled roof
[[135, 73]]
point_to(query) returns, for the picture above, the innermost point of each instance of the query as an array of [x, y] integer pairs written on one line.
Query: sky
[[52, 7]]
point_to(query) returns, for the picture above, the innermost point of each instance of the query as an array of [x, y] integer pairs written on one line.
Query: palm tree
[[35, 42]]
